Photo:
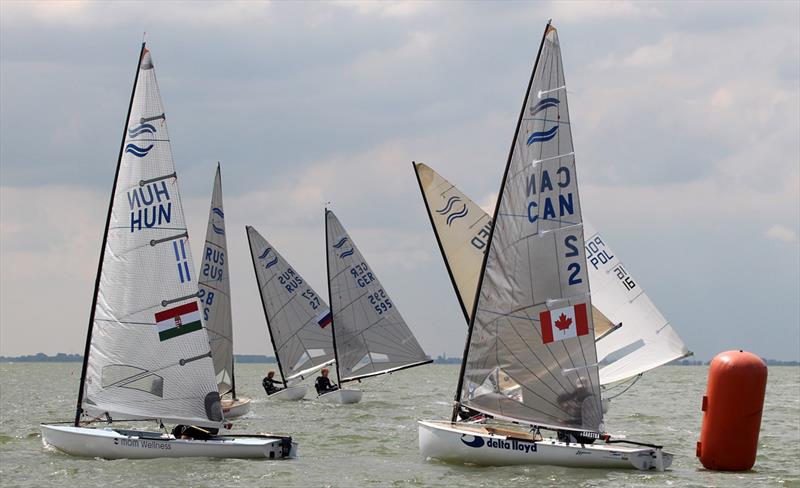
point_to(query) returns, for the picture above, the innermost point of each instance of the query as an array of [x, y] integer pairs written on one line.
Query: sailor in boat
[[193, 432], [269, 383], [324, 384]]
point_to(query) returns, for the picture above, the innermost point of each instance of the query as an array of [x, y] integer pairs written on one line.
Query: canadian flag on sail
[[564, 323]]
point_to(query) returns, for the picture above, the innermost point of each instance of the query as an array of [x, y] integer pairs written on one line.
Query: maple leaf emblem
[[563, 322]]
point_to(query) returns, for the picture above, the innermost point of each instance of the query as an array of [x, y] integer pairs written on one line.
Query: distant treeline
[[262, 359]]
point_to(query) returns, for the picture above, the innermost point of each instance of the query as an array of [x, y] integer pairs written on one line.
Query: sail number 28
[[573, 268]]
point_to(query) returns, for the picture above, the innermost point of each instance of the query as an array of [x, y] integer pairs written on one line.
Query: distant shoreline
[[262, 359]]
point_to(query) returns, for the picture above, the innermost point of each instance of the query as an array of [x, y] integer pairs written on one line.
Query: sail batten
[[214, 293], [370, 334], [530, 354], [147, 351], [297, 318]]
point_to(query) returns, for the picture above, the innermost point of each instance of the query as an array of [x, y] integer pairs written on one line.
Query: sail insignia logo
[[218, 230], [137, 151], [544, 105], [543, 136], [141, 129], [272, 262], [339, 245], [453, 215]]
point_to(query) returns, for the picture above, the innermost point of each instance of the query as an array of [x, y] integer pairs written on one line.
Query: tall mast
[[264, 305], [457, 402], [330, 302], [441, 248], [87, 347]]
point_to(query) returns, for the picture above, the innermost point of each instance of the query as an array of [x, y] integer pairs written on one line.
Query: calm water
[[375, 443]]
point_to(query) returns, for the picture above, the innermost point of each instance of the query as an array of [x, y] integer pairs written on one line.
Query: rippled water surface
[[374, 443]]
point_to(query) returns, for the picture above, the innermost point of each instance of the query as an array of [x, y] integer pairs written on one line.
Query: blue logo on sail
[[141, 129], [543, 136], [449, 205], [271, 263], [218, 230], [137, 151], [340, 243], [544, 105], [457, 214], [346, 253], [218, 212], [264, 254]]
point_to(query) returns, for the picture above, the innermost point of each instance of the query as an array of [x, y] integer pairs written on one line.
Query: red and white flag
[[564, 323]]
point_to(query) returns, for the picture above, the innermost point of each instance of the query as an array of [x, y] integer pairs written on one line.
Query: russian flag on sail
[[178, 321], [324, 319], [569, 322]]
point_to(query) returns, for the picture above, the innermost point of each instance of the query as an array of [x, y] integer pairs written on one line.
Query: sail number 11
[[574, 269]]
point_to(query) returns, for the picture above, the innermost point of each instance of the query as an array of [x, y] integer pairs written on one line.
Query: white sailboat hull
[[235, 407], [475, 444], [341, 397], [111, 443], [290, 394]]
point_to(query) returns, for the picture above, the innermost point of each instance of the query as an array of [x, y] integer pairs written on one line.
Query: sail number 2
[[574, 269]]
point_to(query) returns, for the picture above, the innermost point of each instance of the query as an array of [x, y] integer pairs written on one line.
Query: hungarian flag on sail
[[178, 321], [324, 319], [564, 323]]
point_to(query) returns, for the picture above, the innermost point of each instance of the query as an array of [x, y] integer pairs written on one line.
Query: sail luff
[[439, 243], [330, 300], [465, 355], [214, 290], [87, 347]]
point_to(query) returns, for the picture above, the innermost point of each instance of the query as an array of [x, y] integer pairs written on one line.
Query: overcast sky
[[685, 118]]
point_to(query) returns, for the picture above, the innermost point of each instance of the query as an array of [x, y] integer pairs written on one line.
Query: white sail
[[643, 342], [215, 295], [646, 339], [297, 317], [371, 336], [149, 352], [531, 351]]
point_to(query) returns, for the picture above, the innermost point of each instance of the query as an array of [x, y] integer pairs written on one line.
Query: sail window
[[125, 376]]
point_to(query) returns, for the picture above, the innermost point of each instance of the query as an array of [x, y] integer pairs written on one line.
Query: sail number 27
[[573, 268]]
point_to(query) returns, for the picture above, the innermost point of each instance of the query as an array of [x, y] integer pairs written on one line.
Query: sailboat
[[530, 367], [297, 318], [215, 300], [642, 338], [147, 354], [370, 337]]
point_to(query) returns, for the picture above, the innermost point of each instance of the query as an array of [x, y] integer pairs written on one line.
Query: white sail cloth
[[462, 229], [531, 355], [297, 317], [149, 354], [215, 294], [371, 336]]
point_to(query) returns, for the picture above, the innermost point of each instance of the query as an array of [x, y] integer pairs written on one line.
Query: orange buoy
[[732, 404]]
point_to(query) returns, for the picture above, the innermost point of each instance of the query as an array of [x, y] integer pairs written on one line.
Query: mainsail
[[148, 352], [215, 294], [644, 341], [530, 354], [371, 337], [297, 317]]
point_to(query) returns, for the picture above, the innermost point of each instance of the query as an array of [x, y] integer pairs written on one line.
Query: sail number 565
[[573, 268]]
